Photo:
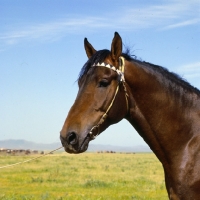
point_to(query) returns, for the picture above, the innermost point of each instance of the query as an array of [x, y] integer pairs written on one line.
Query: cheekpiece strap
[[119, 71]]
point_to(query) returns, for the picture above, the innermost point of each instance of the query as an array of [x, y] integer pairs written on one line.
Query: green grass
[[88, 176]]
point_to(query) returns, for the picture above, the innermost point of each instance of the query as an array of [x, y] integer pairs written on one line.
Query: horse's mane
[[169, 78], [172, 79]]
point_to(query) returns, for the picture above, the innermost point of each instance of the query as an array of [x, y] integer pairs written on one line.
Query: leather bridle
[[92, 133], [95, 130]]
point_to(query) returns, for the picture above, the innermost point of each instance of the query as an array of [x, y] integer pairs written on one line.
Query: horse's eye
[[103, 83]]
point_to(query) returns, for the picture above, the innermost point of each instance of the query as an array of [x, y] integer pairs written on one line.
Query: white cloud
[[164, 16], [161, 17], [181, 24], [51, 30], [191, 70]]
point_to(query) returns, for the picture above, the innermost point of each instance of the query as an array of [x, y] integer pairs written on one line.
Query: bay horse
[[161, 106]]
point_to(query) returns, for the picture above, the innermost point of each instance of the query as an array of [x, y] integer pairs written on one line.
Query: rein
[[120, 73], [11, 165]]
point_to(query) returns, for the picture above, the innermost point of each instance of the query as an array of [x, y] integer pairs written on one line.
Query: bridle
[[92, 134]]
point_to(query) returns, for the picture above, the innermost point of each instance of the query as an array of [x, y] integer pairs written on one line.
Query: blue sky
[[41, 54]]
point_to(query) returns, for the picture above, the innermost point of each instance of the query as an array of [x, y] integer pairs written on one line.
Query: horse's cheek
[[100, 100]]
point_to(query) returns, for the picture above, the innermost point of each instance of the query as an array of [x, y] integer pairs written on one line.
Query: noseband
[[120, 73]]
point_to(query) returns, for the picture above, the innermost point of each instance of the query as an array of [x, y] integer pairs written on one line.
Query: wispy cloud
[[174, 14], [190, 71], [164, 16], [48, 30], [182, 24]]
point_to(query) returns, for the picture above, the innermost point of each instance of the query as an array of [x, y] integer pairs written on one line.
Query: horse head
[[102, 98]]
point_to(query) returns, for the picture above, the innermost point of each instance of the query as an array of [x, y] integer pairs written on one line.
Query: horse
[[162, 107]]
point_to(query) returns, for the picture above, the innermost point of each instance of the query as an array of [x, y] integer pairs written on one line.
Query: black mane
[[169, 77]]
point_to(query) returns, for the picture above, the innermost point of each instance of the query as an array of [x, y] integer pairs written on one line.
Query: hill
[[23, 144]]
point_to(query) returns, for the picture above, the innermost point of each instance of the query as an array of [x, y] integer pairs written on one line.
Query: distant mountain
[[23, 144], [138, 148]]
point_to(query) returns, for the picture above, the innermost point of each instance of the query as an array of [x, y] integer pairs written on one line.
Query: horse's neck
[[155, 112]]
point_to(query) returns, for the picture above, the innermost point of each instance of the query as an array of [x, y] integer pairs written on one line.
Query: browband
[[119, 71]]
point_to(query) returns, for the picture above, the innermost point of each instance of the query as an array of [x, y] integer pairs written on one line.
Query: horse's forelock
[[99, 56]]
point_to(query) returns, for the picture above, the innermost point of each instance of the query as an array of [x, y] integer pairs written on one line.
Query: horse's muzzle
[[72, 144]]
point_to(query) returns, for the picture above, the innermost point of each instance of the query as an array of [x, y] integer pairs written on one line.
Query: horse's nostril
[[72, 138]]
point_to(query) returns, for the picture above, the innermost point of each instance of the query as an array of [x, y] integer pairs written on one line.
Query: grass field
[[88, 176]]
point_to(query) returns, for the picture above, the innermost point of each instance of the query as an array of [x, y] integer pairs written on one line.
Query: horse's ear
[[116, 47], [89, 48]]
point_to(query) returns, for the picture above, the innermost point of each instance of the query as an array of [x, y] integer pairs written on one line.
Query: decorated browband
[[119, 71]]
